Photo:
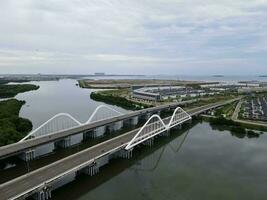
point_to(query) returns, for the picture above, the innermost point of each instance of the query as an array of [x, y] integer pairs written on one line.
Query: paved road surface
[[37, 178], [19, 147]]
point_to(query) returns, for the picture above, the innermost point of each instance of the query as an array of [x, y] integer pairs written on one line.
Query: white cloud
[[105, 34]]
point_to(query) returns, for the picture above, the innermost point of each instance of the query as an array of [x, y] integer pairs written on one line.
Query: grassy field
[[12, 127], [208, 100], [117, 97], [127, 83], [226, 111]]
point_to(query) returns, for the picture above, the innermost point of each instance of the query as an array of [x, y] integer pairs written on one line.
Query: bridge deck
[[79, 160], [36, 178], [15, 148]]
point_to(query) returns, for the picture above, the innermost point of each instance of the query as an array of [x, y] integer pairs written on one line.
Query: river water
[[201, 163], [54, 97]]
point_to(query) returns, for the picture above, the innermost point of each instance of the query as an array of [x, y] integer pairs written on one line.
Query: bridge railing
[[61, 121], [64, 121], [155, 126]]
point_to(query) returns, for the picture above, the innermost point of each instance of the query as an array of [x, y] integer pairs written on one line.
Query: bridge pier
[[126, 154], [91, 169], [64, 143], [190, 121], [76, 139], [69, 141], [147, 116], [99, 131], [165, 133], [115, 126], [38, 151], [149, 142], [44, 194], [179, 126], [134, 121], [28, 155], [96, 133]]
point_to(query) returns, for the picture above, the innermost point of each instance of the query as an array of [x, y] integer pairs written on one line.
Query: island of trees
[[236, 128], [12, 127], [7, 91]]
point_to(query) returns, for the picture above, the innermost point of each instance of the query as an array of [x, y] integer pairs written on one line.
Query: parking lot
[[255, 109]]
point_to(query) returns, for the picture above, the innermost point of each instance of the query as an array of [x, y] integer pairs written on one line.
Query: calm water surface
[[202, 163], [56, 97]]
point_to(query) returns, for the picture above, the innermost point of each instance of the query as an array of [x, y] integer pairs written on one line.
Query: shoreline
[[12, 126]]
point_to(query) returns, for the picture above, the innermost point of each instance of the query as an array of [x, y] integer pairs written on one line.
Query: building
[[100, 74], [168, 92]]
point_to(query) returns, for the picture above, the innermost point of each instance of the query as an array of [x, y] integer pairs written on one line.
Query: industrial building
[[166, 92]]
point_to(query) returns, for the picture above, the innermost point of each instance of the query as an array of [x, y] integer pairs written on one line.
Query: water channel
[[199, 163]]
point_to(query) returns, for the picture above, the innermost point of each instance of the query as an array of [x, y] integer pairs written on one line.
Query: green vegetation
[[117, 97], [208, 100], [5, 81], [235, 127], [7, 91], [82, 84], [226, 111], [12, 127]]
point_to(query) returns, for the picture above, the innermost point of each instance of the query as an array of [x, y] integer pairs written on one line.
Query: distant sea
[[225, 79]]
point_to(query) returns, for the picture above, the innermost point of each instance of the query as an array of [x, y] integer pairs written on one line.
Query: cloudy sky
[[134, 36]]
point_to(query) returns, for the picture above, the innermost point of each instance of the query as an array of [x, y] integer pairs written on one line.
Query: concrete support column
[[115, 126], [44, 149], [28, 155], [99, 131], [76, 139], [148, 115], [149, 142], [91, 170], [126, 154], [179, 126], [165, 133], [134, 121], [64, 143], [44, 194], [189, 121]]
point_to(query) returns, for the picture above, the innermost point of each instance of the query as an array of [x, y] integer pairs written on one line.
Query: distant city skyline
[[150, 37]]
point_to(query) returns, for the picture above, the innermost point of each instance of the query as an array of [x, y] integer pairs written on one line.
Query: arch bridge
[[41, 182]]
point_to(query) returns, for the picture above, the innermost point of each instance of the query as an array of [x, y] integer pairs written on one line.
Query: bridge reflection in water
[[41, 182], [151, 162], [145, 159]]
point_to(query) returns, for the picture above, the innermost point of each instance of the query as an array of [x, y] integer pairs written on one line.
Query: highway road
[[19, 147], [33, 180], [16, 148]]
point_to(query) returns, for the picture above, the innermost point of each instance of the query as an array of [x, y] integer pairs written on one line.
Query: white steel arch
[[98, 116], [150, 130], [64, 121], [147, 131], [178, 115], [60, 121]]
